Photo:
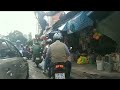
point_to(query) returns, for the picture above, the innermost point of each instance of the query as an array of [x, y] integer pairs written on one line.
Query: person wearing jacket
[[47, 62], [59, 52]]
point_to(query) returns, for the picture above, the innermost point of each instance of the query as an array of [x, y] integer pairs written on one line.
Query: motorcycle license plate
[[37, 59], [59, 75]]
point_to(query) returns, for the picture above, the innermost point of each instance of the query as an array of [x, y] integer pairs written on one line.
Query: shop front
[[110, 27], [90, 44]]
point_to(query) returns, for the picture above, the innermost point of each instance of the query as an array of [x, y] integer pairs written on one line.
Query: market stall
[[93, 39]]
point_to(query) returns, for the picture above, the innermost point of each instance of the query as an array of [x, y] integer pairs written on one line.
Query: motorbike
[[38, 60], [27, 54], [59, 71]]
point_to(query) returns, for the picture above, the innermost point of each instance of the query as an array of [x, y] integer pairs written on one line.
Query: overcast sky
[[23, 21]]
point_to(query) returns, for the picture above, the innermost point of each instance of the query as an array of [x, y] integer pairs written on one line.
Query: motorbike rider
[[47, 62], [28, 52], [58, 52], [22, 49], [18, 46], [36, 49], [18, 43]]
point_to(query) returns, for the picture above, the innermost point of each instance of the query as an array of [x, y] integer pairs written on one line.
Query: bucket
[[99, 64]]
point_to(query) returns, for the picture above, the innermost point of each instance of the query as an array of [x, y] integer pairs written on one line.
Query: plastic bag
[[79, 60], [82, 60], [41, 65]]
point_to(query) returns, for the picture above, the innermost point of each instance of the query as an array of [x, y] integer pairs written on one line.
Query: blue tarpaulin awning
[[62, 27], [79, 22], [63, 20]]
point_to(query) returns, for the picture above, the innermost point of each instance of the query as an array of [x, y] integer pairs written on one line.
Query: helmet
[[42, 43], [49, 41], [57, 36]]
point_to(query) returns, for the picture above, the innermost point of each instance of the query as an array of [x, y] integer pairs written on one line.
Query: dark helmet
[[49, 41]]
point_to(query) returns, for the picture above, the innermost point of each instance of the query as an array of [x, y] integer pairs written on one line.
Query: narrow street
[[88, 39], [34, 72], [78, 72]]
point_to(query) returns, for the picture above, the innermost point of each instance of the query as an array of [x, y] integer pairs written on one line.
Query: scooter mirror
[[70, 48]]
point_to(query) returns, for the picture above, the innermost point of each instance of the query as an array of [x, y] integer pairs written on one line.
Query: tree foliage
[[30, 43], [16, 35]]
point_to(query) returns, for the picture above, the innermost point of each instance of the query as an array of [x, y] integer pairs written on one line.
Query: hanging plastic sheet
[[79, 22], [62, 27]]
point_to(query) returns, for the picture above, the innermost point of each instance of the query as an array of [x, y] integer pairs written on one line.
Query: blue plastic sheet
[[79, 22]]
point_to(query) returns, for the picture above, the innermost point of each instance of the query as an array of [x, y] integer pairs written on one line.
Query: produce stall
[[95, 39]]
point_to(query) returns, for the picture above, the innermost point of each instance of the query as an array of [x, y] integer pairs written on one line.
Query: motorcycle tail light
[[59, 66]]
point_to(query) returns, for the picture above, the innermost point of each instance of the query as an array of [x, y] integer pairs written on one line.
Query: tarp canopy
[[64, 19], [98, 15], [62, 27], [47, 31], [51, 13], [79, 22], [111, 26]]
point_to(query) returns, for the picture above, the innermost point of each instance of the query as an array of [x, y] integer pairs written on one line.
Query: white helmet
[[57, 36], [49, 40]]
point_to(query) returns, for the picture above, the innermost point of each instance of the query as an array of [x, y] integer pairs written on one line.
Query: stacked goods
[[112, 62], [108, 64], [96, 35], [91, 58], [116, 61], [99, 62], [115, 65], [82, 60]]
